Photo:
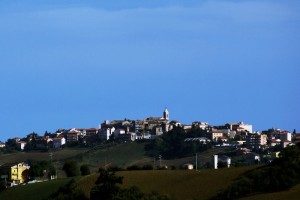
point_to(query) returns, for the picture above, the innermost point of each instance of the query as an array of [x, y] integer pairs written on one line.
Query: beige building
[[256, 140]]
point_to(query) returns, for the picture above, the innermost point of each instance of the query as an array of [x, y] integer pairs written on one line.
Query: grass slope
[[181, 184], [36, 191], [39, 156], [292, 194], [121, 155]]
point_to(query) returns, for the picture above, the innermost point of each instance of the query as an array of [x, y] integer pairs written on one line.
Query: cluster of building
[[131, 130]]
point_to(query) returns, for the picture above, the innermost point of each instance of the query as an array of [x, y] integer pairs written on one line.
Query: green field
[[177, 184], [39, 156], [122, 155], [180, 184], [36, 191], [292, 194]]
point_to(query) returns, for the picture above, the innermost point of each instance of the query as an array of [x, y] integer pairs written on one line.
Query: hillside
[[122, 155], [292, 194], [39, 156], [181, 184]]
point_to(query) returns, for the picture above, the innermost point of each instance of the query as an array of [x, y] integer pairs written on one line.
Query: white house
[[21, 145], [2, 145], [58, 142], [118, 132], [215, 135], [286, 136], [106, 133]]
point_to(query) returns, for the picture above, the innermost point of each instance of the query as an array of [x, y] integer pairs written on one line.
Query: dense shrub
[[68, 192], [85, 170], [71, 168], [107, 187]]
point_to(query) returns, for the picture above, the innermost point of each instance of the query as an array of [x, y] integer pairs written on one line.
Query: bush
[[85, 170], [71, 168], [133, 168], [68, 191], [108, 187], [147, 167]]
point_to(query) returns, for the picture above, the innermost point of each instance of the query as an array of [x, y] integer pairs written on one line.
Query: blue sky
[[66, 64]]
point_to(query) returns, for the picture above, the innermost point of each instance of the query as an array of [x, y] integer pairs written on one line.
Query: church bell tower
[[166, 114]]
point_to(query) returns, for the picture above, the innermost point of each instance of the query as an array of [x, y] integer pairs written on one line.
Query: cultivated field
[[39, 156], [36, 191], [122, 155], [177, 184], [292, 194]]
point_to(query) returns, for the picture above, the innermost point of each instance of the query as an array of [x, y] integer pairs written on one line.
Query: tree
[[69, 192], [85, 170], [108, 188], [71, 168], [107, 185], [38, 169], [11, 144], [25, 175]]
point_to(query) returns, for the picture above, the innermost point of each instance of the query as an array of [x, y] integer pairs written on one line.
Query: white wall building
[[21, 145], [106, 133], [59, 142]]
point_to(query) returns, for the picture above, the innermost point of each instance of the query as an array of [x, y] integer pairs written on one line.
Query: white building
[[240, 126], [201, 125], [286, 136], [21, 145], [118, 132], [2, 145], [59, 142], [106, 133]]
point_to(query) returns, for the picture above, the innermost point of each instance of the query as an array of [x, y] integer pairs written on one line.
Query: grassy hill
[[121, 155], [36, 191], [180, 184], [291, 194], [39, 156]]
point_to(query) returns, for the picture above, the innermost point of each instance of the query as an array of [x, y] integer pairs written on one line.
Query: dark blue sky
[[66, 64]]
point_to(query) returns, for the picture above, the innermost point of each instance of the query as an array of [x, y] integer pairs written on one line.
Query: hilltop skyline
[[67, 64]]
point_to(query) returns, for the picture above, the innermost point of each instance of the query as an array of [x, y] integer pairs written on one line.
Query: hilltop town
[[126, 130], [245, 146]]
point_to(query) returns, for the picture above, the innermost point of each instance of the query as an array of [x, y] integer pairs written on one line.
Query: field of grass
[[177, 184], [36, 191], [180, 184], [39, 156], [292, 194], [121, 155]]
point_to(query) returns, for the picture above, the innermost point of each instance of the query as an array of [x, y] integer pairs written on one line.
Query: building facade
[[16, 173]]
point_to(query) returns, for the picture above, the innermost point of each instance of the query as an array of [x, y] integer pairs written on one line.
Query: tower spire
[[166, 114]]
